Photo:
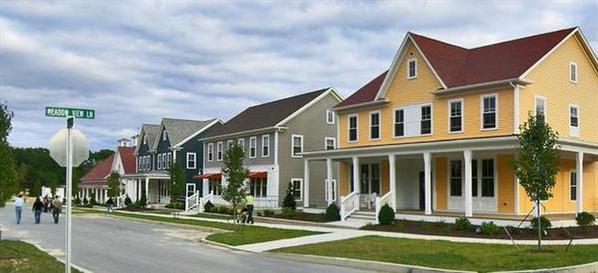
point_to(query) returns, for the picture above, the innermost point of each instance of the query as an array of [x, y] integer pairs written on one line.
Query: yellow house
[[435, 135]]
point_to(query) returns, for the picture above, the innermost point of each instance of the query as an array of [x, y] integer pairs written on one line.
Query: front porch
[[153, 185]]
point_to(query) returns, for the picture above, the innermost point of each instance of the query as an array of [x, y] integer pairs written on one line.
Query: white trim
[[210, 147], [542, 98], [356, 116], [548, 53], [370, 125], [570, 185], [276, 149], [194, 161], [573, 65], [253, 140], [326, 142], [516, 98], [263, 142], [574, 130], [409, 61], [330, 112], [219, 151], [300, 187], [449, 115], [330, 90], [199, 132], [293, 146], [482, 97]]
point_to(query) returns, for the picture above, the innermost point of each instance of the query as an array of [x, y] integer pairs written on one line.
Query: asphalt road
[[116, 245]]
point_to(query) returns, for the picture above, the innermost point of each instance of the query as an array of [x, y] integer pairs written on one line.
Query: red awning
[[209, 176], [258, 174]]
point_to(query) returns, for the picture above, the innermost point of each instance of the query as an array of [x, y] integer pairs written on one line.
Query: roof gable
[[179, 130], [149, 132], [127, 157]]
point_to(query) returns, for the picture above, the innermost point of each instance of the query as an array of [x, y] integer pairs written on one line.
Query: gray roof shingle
[[180, 129]]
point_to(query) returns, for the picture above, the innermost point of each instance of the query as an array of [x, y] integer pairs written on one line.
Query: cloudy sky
[[138, 61]]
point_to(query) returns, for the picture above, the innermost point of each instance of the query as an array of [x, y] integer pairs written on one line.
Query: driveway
[[103, 244]]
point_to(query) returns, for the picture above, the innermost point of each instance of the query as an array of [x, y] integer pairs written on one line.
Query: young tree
[[289, 198], [235, 174], [9, 177], [177, 181], [113, 182], [536, 162]]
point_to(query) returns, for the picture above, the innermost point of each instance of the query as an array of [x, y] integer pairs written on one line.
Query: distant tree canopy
[[9, 178]]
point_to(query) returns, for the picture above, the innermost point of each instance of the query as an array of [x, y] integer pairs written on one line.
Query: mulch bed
[[445, 229], [302, 216]]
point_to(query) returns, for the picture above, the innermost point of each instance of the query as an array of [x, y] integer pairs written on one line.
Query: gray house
[[274, 135]]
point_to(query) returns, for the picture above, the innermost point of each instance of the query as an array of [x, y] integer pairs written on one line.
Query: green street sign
[[62, 112]]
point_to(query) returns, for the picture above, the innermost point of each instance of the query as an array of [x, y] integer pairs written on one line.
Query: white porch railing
[[349, 205], [380, 202], [192, 201]]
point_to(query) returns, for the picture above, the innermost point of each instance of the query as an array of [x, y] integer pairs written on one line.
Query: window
[[399, 122], [456, 178], [297, 187], [540, 108], [488, 178], [375, 125], [411, 68], [169, 159], [353, 128], [191, 162], [265, 145], [229, 143], [426, 120], [330, 190], [573, 120], [252, 147], [573, 72], [258, 187], [160, 158], [144, 139], [330, 143], [210, 151], [241, 142], [573, 186], [297, 145], [489, 115], [474, 178], [215, 186], [329, 116], [164, 135], [219, 150], [456, 116]]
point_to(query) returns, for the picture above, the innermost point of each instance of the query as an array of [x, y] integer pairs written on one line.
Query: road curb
[[582, 268], [185, 226], [359, 264]]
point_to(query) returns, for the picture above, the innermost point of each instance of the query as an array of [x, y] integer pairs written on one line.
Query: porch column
[[305, 183], [468, 194], [428, 182], [579, 176], [328, 183], [356, 178], [393, 181], [147, 189]]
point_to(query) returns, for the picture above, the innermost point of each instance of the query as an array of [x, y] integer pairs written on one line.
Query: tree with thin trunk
[[113, 182], [536, 162], [177, 181], [235, 174], [9, 177]]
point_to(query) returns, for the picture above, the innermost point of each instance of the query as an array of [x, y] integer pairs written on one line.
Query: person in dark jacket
[[110, 205], [38, 206], [56, 208]]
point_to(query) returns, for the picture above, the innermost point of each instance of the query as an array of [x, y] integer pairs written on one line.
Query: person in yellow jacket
[[249, 204]]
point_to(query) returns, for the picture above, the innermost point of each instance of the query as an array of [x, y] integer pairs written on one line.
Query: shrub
[[489, 228], [268, 213], [333, 213], [585, 219], [543, 220], [208, 207], [259, 213], [175, 205], [77, 201], [85, 201], [288, 212], [289, 199], [462, 223], [128, 201], [386, 215], [92, 201], [142, 202]]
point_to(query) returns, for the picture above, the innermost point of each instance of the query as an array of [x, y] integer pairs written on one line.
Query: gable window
[[426, 120], [353, 128], [375, 125], [456, 116], [210, 151], [164, 135], [252, 147], [241, 142], [297, 187], [399, 122], [329, 116], [297, 145], [573, 72], [540, 107], [489, 115], [219, 150], [329, 143], [412, 68], [572, 185], [456, 179], [191, 161], [265, 145], [573, 120]]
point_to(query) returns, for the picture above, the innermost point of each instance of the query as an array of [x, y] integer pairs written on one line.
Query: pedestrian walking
[[19, 207], [56, 208], [249, 204], [110, 204], [38, 206]]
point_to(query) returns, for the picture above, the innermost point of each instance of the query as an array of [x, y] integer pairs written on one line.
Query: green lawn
[[448, 255], [239, 235], [17, 256]]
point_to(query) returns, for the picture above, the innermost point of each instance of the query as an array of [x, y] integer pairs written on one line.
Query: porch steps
[[364, 216]]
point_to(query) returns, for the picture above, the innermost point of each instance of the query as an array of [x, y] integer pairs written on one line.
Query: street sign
[[63, 112], [80, 146]]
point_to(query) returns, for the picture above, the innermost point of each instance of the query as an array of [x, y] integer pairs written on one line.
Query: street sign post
[[66, 154]]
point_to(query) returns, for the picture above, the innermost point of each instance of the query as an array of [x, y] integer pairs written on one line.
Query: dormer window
[[573, 72], [412, 68]]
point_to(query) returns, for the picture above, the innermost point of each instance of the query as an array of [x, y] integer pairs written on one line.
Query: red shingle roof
[[458, 66], [99, 172], [128, 158]]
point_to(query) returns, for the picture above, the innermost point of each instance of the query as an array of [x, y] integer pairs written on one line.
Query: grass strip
[[18, 256]]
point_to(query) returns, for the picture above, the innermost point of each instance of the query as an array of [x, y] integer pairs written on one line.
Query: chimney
[[123, 142]]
